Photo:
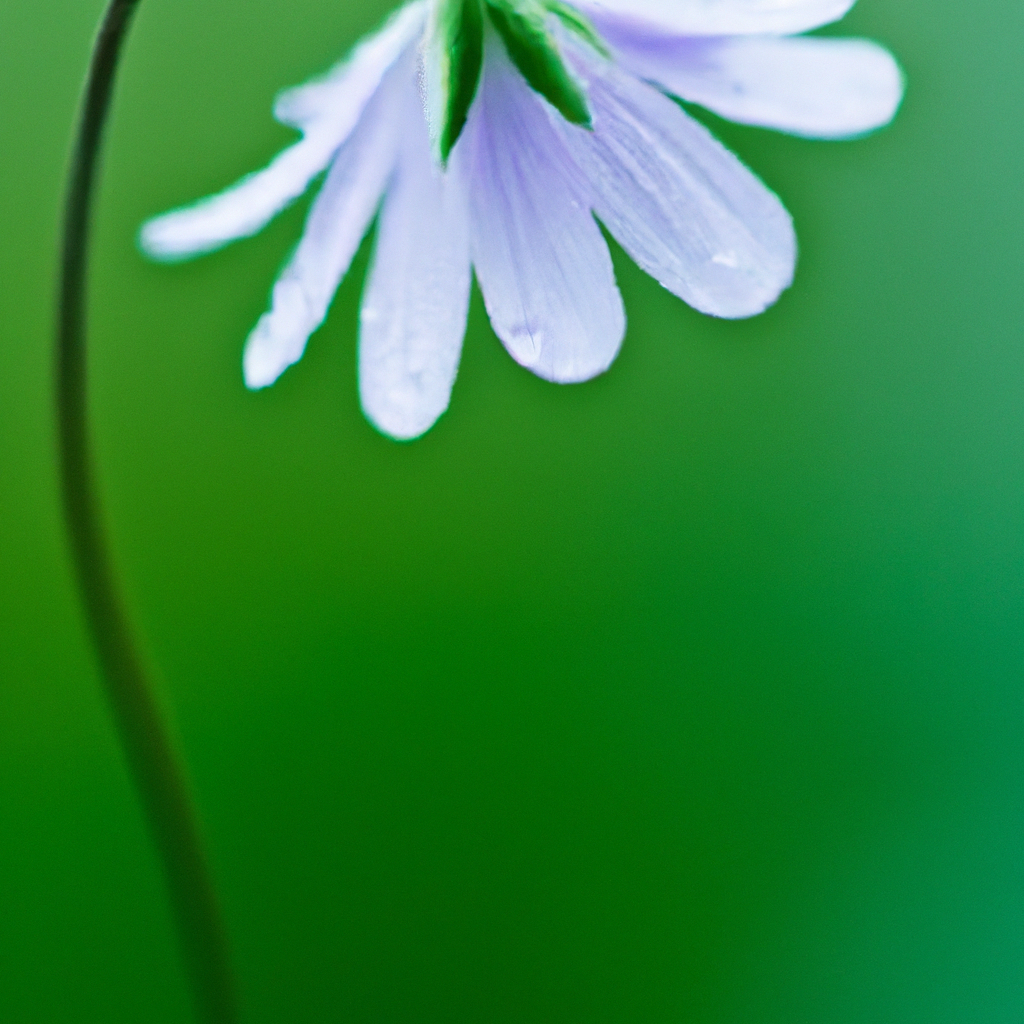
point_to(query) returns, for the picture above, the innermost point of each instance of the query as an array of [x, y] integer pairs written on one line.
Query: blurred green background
[[693, 693]]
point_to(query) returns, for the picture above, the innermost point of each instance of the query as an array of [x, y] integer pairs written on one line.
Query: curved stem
[[144, 736]]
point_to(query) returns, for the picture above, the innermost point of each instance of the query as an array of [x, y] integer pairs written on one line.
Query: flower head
[[490, 134]]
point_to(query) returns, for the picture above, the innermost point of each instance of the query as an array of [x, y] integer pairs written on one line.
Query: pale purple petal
[[719, 17], [337, 221], [241, 210], [822, 88], [340, 95], [413, 314], [685, 209], [543, 267], [327, 111]]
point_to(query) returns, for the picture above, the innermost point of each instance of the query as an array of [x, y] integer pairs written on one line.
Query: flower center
[[453, 56]]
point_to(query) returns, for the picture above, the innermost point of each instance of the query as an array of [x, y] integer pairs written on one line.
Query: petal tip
[[161, 239], [265, 357], [398, 420]]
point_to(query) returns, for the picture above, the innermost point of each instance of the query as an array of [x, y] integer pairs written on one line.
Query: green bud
[[454, 53], [522, 25]]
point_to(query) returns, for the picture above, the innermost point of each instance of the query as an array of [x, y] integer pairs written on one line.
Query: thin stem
[[149, 751]]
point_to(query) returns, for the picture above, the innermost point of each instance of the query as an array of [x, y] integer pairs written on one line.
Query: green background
[[693, 693]]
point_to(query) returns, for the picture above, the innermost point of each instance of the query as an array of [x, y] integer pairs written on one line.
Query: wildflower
[[496, 131]]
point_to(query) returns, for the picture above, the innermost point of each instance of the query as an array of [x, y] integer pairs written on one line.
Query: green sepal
[[577, 23], [522, 25], [455, 52]]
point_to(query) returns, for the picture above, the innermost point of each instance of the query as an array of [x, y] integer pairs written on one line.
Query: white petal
[[413, 314], [327, 111], [543, 267], [341, 94], [824, 88], [686, 210], [721, 17], [337, 221], [241, 210]]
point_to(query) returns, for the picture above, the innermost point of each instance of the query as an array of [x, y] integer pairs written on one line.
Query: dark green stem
[[149, 751]]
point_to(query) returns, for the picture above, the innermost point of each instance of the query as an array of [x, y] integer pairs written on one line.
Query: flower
[[491, 133]]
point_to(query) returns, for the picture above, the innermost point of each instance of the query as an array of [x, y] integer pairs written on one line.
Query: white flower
[[518, 196]]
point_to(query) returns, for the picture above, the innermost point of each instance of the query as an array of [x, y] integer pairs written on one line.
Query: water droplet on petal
[[525, 343]]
